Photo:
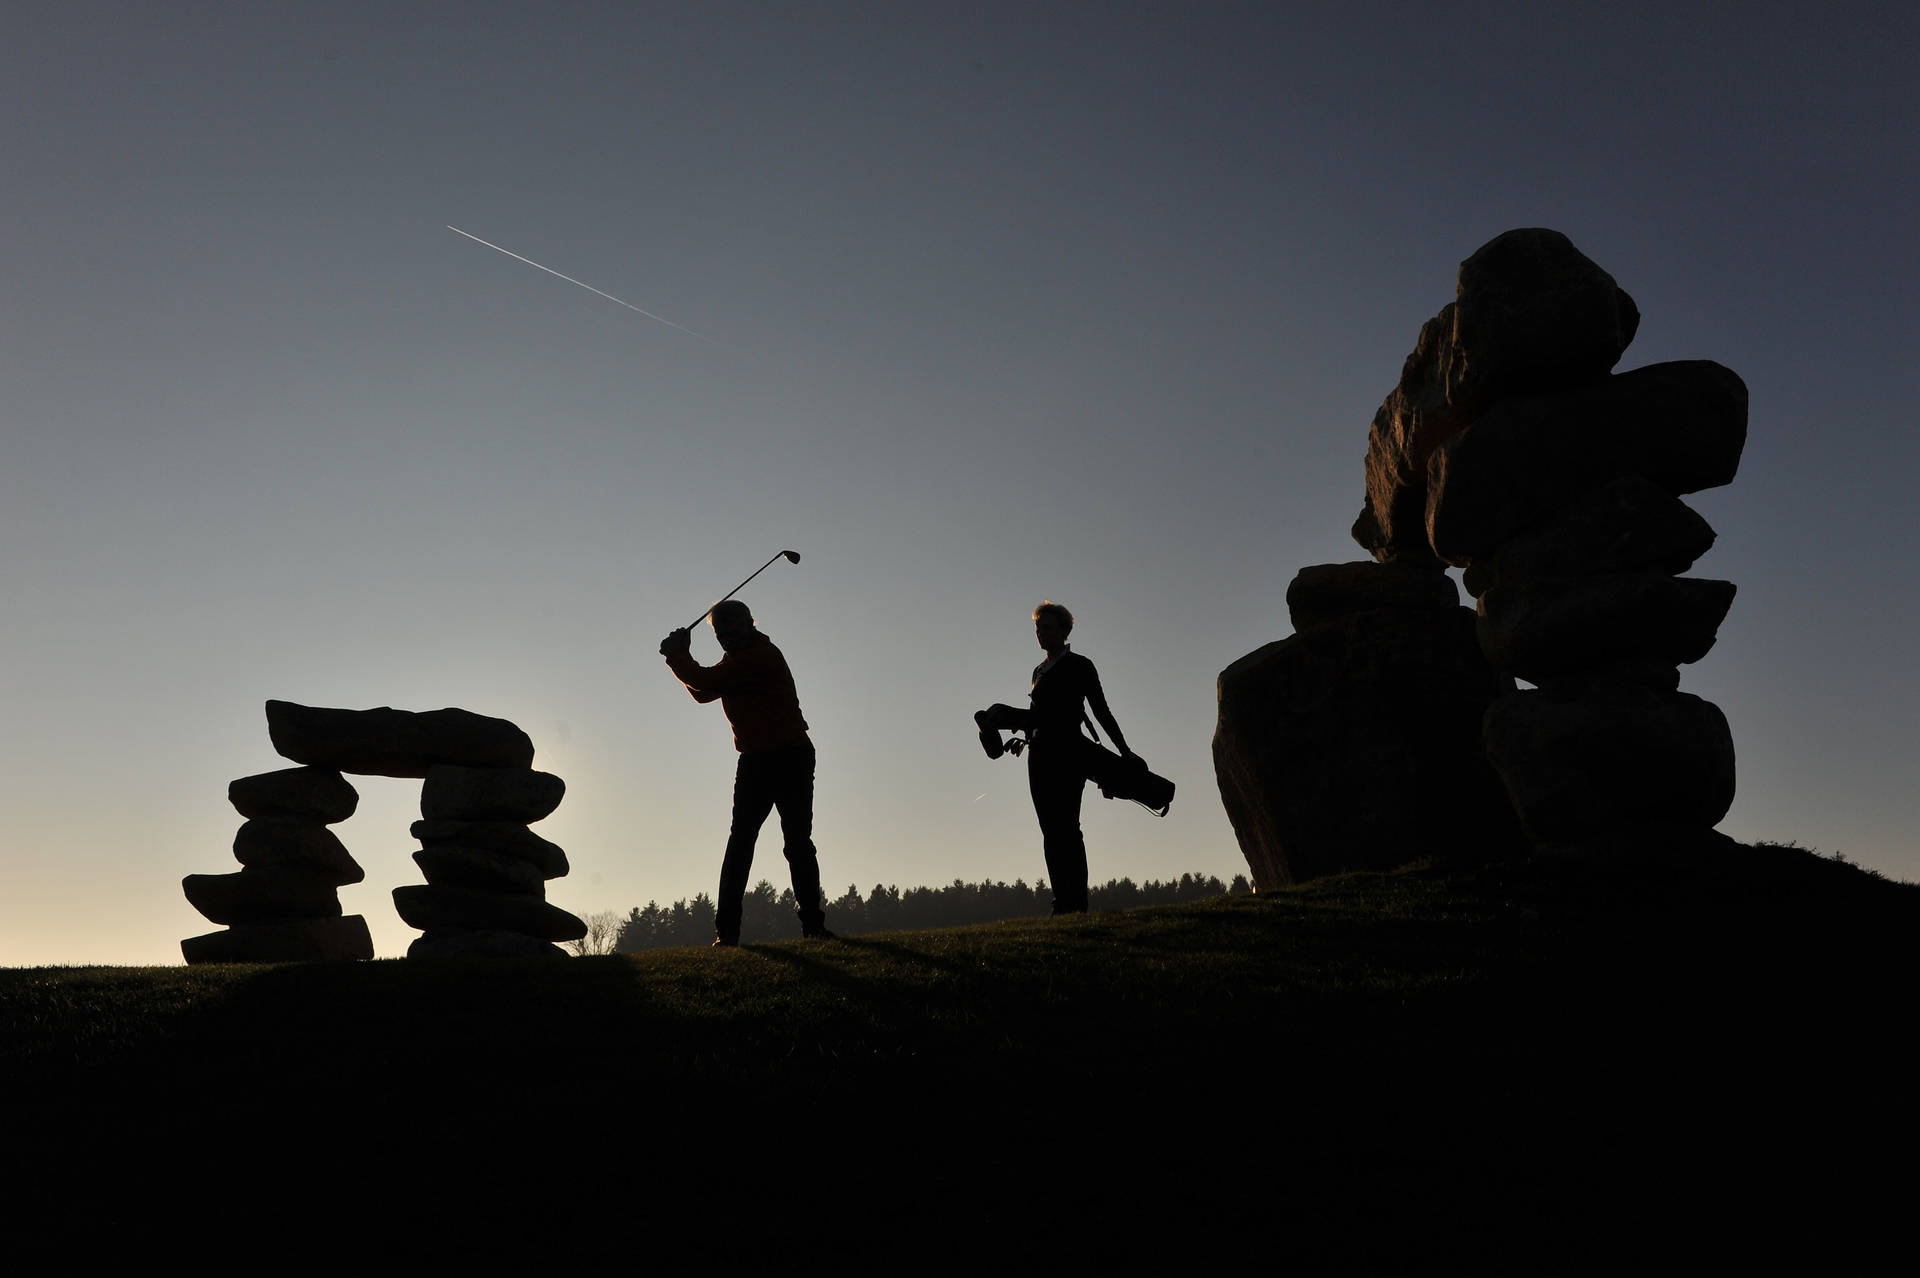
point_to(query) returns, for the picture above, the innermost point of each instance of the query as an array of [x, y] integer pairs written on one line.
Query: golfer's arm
[[1098, 700], [705, 683]]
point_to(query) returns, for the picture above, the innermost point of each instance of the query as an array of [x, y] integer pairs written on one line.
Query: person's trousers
[[1056, 780], [762, 781]]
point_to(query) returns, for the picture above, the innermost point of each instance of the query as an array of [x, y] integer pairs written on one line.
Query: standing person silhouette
[[1063, 685], [775, 769]]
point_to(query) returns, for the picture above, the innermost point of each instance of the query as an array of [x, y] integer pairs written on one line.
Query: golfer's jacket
[[754, 687]]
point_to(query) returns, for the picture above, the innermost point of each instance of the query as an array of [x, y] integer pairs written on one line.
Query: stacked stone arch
[[1390, 726], [486, 870]]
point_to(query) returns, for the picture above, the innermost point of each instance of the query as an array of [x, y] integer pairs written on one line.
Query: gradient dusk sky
[[998, 303]]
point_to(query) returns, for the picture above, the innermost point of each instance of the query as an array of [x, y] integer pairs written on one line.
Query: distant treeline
[[770, 915]]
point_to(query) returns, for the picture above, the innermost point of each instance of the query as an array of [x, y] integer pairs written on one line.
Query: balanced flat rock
[[510, 837], [1629, 525], [306, 941], [449, 865], [1681, 425], [1555, 628], [1320, 593], [453, 793], [270, 894], [303, 843], [462, 943], [294, 794], [395, 743], [430, 907], [1576, 767]]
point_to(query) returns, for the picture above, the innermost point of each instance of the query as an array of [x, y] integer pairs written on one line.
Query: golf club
[[791, 556]]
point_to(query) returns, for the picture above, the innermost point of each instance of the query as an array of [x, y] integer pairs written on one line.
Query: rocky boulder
[[1681, 426], [307, 844], [307, 941], [1321, 593], [1355, 745], [430, 907], [294, 794], [1556, 627], [269, 894], [489, 794], [447, 865], [1577, 767], [1628, 525], [459, 943], [394, 743], [509, 837]]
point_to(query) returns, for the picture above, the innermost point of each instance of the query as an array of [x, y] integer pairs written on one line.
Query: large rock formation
[[1509, 449], [1563, 505], [486, 872]]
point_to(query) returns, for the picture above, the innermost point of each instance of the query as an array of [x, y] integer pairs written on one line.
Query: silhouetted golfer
[[1063, 685], [755, 688]]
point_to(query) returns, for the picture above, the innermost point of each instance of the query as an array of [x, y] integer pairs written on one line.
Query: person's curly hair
[[1058, 612]]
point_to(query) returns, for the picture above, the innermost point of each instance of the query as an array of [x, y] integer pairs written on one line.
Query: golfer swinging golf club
[[775, 770], [1056, 763]]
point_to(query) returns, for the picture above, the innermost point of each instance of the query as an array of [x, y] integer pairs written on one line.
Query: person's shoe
[[721, 942], [818, 934], [989, 737]]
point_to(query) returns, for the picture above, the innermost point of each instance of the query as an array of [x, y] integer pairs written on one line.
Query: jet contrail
[[590, 288]]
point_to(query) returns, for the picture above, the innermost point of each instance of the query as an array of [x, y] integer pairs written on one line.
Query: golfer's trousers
[[1056, 779], [762, 781]]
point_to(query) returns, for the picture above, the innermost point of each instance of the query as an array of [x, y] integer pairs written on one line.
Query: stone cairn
[[284, 904], [1508, 449], [486, 872]]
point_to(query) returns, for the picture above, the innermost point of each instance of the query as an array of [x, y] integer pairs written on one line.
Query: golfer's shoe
[[989, 737], [721, 942]]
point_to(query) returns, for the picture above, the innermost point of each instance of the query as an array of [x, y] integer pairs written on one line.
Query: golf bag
[[1121, 777], [1118, 776]]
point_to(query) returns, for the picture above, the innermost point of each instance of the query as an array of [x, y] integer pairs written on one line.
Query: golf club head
[[791, 556]]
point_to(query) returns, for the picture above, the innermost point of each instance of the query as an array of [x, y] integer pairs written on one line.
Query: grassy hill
[[1549, 1067]]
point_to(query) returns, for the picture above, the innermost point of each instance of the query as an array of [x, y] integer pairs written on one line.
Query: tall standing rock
[[1563, 505], [1510, 449]]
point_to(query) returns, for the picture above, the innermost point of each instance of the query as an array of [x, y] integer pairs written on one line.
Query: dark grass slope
[[1553, 1067]]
